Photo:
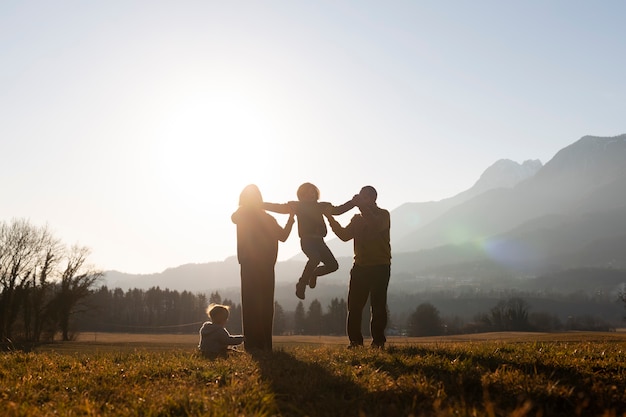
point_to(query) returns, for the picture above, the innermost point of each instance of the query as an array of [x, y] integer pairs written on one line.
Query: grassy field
[[496, 374]]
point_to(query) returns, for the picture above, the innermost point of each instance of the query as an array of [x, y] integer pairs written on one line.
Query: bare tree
[[40, 289], [24, 249], [76, 282], [510, 315]]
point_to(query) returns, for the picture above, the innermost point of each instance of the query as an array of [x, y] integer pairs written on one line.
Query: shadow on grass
[[308, 389], [592, 392]]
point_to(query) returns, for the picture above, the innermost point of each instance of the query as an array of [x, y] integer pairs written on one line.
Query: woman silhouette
[[258, 234]]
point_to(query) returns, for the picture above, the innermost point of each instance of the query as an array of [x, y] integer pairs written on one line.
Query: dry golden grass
[[192, 339], [492, 374]]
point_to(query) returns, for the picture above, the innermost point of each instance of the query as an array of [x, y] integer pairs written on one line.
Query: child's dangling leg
[[310, 247], [329, 264]]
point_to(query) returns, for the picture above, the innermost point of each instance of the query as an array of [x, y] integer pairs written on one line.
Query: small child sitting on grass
[[214, 338]]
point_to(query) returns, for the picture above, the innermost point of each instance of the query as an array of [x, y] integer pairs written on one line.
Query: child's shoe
[[313, 281], [300, 288]]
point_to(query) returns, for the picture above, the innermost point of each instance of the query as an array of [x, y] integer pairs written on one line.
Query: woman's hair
[[302, 189], [218, 311], [251, 196]]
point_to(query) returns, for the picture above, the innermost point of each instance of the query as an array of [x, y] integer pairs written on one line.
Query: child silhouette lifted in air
[[312, 230]]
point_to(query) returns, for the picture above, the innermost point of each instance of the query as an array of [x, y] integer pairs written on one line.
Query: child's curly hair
[[218, 312], [307, 186]]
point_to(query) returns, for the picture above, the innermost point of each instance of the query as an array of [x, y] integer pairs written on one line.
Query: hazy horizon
[[131, 127]]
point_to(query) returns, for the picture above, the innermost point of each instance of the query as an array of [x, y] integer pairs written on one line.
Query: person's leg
[[329, 263], [250, 306], [358, 291], [266, 299], [310, 247], [379, 279]]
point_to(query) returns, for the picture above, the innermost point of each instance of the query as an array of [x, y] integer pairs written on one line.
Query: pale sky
[[131, 127]]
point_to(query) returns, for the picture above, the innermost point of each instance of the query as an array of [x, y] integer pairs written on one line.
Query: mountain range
[[523, 219], [570, 213]]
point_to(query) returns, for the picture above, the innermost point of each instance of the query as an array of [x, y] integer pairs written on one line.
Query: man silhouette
[[370, 273]]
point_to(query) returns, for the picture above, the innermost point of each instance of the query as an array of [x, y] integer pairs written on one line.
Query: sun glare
[[215, 142]]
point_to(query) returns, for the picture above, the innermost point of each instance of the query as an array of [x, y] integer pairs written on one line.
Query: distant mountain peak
[[594, 145], [589, 139], [506, 173], [590, 159]]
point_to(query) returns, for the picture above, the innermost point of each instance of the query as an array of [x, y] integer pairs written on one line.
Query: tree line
[[43, 283], [48, 288], [163, 311], [159, 310], [512, 314]]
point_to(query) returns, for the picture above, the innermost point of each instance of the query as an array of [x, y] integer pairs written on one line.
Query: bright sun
[[213, 145]]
